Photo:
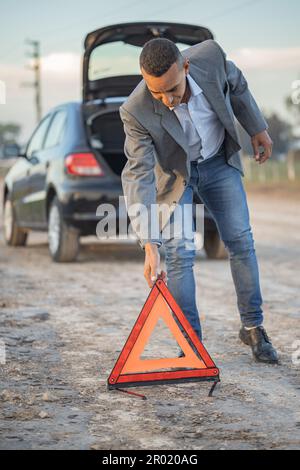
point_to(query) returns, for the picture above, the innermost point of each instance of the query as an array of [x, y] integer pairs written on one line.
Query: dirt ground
[[63, 326]]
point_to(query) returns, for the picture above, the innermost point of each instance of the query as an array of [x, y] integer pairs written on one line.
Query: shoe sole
[[265, 362]]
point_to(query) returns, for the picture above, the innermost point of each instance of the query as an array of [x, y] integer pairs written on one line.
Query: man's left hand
[[262, 139]]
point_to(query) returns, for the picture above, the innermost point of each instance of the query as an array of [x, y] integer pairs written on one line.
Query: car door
[[22, 191], [46, 157]]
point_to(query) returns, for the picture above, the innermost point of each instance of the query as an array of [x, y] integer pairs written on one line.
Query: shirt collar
[[195, 89]]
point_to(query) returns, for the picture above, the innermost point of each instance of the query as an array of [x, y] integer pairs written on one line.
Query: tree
[[292, 101], [9, 133], [279, 130]]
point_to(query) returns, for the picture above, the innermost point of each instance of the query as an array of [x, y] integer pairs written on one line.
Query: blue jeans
[[221, 189]]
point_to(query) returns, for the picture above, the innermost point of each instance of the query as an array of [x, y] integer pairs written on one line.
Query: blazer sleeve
[[138, 180], [243, 103]]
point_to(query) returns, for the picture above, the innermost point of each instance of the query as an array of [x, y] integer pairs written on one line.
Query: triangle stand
[[196, 364]]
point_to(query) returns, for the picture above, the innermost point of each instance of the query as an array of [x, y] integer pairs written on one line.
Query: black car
[[75, 157]]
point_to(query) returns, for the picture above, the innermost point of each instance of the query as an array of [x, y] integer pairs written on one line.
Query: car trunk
[[110, 61], [106, 136]]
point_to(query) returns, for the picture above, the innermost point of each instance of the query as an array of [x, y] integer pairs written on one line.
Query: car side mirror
[[33, 158], [22, 154]]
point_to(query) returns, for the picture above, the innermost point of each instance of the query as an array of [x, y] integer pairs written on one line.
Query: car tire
[[63, 239], [214, 246], [14, 235]]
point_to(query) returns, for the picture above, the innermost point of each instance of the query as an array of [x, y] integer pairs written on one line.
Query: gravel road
[[63, 326]]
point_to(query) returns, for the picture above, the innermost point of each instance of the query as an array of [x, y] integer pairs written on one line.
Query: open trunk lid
[[110, 63]]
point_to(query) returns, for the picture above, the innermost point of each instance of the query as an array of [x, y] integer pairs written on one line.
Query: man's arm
[[138, 178], [246, 109], [138, 182]]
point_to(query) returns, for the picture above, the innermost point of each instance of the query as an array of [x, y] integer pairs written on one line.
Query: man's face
[[170, 87]]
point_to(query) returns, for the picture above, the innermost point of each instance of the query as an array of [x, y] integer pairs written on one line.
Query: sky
[[262, 37]]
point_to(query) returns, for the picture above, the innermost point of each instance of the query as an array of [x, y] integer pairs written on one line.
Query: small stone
[[94, 447], [5, 395], [43, 415]]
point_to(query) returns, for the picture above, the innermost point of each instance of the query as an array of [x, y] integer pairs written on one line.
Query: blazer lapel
[[171, 124], [214, 95]]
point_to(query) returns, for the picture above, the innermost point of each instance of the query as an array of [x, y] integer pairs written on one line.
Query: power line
[[230, 10], [162, 10], [224, 12], [72, 25], [132, 4], [107, 15]]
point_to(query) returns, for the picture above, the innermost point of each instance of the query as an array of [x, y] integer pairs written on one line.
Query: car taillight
[[83, 164]]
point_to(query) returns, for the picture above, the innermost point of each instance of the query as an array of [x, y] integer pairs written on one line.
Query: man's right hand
[[152, 262]]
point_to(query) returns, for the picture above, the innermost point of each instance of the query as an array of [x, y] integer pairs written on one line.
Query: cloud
[[61, 77], [60, 82], [62, 65], [266, 59], [56, 67]]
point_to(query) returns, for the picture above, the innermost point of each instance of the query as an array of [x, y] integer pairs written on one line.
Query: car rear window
[[116, 58]]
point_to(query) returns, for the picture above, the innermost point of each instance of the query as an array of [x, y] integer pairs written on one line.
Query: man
[[181, 138]]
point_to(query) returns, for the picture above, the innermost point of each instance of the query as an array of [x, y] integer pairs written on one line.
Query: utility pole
[[36, 67]]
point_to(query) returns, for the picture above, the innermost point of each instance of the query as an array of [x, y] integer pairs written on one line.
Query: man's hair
[[158, 55]]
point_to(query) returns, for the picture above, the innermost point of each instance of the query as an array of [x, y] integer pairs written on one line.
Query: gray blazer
[[157, 167]]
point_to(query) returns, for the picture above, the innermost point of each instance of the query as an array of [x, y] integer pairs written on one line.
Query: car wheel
[[13, 234], [214, 246], [63, 238]]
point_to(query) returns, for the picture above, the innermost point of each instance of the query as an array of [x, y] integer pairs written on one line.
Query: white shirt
[[201, 125]]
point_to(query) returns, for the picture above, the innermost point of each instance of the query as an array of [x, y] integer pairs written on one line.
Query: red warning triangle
[[130, 370]]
